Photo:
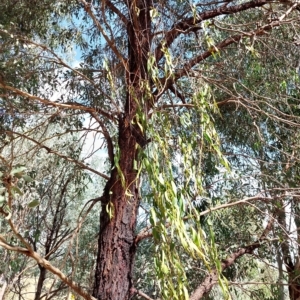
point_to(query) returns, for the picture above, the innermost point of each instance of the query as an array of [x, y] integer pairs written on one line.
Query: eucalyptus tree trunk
[[116, 245]]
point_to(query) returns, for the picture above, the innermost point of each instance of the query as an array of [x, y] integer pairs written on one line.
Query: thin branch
[[256, 283], [110, 146], [52, 293], [67, 105], [167, 83], [79, 224], [177, 93], [180, 105], [227, 205], [140, 293], [192, 23], [47, 265], [116, 11], [49, 150], [77, 71], [233, 39], [111, 43]]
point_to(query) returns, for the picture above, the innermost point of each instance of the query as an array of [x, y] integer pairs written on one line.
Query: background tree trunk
[[292, 268], [280, 275], [3, 286], [40, 284]]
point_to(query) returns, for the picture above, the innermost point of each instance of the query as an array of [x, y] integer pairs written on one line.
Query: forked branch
[[191, 22]]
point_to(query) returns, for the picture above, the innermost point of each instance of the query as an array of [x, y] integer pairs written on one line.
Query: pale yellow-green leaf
[[164, 268], [161, 179], [33, 203]]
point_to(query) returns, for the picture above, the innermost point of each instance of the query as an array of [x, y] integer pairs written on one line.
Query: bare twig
[[140, 293], [75, 161]]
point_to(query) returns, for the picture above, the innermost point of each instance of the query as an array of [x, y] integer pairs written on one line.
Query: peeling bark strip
[[212, 279]]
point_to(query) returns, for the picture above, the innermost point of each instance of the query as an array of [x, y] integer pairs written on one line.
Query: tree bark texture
[[116, 244]]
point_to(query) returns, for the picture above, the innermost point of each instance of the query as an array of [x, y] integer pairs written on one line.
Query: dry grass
[[28, 289]]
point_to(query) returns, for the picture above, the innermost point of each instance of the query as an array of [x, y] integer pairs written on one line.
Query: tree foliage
[[196, 107]]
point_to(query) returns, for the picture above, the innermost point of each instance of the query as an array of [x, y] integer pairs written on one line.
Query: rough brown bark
[[116, 244], [116, 251]]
